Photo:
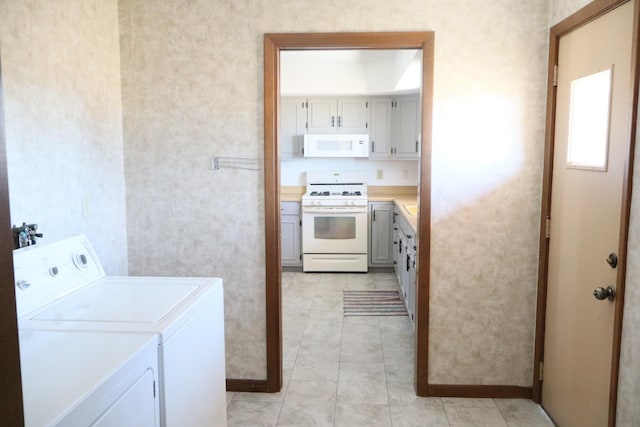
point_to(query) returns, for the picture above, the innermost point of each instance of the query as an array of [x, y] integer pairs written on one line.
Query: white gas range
[[334, 222]]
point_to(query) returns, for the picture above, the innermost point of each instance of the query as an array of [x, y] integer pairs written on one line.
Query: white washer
[[89, 379], [62, 286]]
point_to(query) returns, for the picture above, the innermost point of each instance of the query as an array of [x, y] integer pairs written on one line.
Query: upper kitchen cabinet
[[406, 127], [395, 127], [381, 109], [293, 122], [349, 115]]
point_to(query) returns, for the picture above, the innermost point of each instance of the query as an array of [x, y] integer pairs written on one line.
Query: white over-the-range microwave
[[336, 145]]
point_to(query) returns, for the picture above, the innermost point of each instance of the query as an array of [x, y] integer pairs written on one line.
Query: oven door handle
[[338, 210]]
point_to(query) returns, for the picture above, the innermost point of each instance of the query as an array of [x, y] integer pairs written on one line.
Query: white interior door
[[591, 140]]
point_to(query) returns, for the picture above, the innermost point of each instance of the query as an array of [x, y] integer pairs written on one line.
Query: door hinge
[[300, 223], [555, 75], [540, 373], [547, 228]]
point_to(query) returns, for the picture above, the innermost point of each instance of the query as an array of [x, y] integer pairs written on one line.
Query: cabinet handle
[[416, 146], [373, 146], [333, 121], [339, 121], [408, 263], [409, 236], [374, 215], [391, 150]]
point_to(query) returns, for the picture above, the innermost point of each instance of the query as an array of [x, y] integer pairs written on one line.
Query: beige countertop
[[292, 194], [400, 195]]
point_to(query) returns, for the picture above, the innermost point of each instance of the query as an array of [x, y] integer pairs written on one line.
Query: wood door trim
[[11, 411], [480, 391], [583, 16], [273, 44], [259, 386]]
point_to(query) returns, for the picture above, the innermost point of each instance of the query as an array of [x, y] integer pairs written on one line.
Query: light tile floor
[[357, 371]]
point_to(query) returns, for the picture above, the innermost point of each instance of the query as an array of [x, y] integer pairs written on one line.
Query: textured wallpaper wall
[[63, 113], [192, 88]]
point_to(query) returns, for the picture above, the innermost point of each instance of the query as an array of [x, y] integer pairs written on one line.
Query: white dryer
[[62, 286]]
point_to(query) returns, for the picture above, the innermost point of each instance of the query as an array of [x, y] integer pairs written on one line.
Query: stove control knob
[[80, 261], [54, 271], [23, 284]]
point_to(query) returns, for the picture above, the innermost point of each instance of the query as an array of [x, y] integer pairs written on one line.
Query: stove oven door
[[334, 230]]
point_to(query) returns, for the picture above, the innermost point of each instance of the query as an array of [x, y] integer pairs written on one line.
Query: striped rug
[[373, 303]]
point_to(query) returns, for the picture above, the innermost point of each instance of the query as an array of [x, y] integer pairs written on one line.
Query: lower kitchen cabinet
[[291, 237], [380, 234], [404, 261]]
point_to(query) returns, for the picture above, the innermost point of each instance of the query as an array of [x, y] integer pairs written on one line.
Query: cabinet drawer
[[289, 208]]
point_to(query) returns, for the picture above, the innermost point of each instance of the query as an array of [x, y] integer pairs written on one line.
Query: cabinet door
[[353, 115], [380, 128], [322, 115], [406, 128], [399, 243], [411, 287], [290, 234], [293, 122], [381, 234]]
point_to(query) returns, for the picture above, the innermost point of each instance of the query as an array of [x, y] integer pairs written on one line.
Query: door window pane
[[589, 121]]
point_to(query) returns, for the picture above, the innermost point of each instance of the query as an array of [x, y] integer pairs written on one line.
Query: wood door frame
[[10, 377], [583, 16], [273, 45]]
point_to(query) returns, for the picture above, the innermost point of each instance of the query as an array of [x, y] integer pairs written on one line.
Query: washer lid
[[62, 370], [132, 301]]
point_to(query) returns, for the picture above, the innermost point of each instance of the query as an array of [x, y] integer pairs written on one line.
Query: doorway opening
[[274, 44]]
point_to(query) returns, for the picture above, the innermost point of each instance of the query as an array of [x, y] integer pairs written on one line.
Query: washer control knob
[[53, 271], [23, 284], [80, 261]]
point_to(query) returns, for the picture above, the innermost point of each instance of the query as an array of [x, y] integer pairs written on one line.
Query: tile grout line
[[284, 398], [500, 412], [335, 406]]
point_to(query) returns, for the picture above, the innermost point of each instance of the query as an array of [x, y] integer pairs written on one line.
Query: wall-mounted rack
[[235, 163]]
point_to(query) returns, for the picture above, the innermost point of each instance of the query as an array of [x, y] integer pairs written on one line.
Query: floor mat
[[373, 303]]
